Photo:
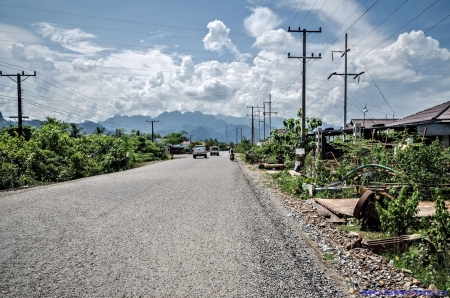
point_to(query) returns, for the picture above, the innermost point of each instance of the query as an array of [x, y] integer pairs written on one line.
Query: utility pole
[[190, 138], [259, 125], [264, 124], [237, 134], [269, 113], [304, 32], [226, 130], [19, 80], [253, 123], [264, 120], [152, 121], [345, 74]]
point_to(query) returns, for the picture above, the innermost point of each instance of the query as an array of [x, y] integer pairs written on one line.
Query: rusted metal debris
[[347, 206], [394, 243], [363, 202], [338, 206], [327, 213]]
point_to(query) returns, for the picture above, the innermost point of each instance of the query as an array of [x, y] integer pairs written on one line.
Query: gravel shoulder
[[354, 270], [179, 228]]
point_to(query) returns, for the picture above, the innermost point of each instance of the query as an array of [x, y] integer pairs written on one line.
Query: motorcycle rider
[[232, 153]]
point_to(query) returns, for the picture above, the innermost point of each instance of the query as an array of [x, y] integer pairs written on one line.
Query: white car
[[199, 151]]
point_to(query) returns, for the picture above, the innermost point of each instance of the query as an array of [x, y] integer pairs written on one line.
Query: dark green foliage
[[399, 214], [176, 138], [58, 152]]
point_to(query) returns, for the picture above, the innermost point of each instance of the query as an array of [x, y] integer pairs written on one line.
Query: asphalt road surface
[[180, 228]]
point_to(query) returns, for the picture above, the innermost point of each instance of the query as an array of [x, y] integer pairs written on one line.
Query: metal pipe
[[369, 165]]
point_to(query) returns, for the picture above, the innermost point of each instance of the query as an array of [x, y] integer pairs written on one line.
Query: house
[[432, 122], [370, 123]]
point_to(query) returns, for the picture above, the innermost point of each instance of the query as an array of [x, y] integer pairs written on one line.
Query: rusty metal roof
[[439, 112]]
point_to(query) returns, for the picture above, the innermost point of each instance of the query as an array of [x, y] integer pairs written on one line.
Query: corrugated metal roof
[[370, 122], [445, 115], [438, 112]]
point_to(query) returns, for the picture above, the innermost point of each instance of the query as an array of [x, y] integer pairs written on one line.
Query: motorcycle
[[232, 156]]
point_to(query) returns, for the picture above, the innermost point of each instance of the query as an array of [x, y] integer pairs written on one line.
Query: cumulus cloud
[[217, 39], [150, 82], [260, 21]]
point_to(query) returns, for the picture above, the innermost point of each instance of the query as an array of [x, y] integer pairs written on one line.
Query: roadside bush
[[49, 154], [399, 214]]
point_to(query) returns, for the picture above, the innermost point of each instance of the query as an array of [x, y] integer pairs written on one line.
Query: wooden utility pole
[[19, 80], [152, 121], [304, 32]]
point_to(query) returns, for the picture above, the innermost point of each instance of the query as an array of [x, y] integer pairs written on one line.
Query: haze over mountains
[[198, 125]]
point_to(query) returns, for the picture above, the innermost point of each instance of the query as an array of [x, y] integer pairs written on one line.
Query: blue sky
[[95, 59]]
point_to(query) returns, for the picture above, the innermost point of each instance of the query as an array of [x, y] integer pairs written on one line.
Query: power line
[[401, 28], [382, 22], [111, 19]]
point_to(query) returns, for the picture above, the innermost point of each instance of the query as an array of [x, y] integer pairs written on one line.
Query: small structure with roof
[[433, 122]]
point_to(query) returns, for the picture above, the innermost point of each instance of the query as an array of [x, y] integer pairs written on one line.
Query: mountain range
[[199, 126]]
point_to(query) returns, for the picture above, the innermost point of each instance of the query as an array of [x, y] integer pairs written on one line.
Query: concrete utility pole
[[237, 133], [19, 80], [253, 123], [264, 124], [345, 74], [264, 120], [269, 113], [304, 32], [259, 125], [152, 121], [190, 138]]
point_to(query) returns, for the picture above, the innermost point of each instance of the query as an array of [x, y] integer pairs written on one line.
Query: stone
[[351, 291], [406, 271], [432, 287], [416, 281], [407, 286]]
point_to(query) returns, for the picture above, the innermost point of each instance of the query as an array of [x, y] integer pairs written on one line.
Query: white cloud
[[153, 81], [73, 39], [217, 39], [260, 21]]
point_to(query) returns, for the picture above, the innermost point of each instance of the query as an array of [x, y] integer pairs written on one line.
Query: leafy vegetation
[[416, 166], [59, 152]]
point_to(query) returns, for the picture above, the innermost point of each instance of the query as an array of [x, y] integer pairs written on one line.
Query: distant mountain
[[7, 123], [89, 127], [198, 126]]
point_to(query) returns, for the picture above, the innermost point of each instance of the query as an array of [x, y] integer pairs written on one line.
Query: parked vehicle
[[199, 151], [189, 151], [214, 151]]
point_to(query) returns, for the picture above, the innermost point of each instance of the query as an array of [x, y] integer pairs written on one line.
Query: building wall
[[435, 129]]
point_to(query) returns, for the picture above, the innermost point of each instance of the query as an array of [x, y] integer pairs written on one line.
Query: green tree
[[74, 130], [99, 131], [175, 138]]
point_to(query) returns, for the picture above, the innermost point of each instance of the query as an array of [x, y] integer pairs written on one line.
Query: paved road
[[180, 228]]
